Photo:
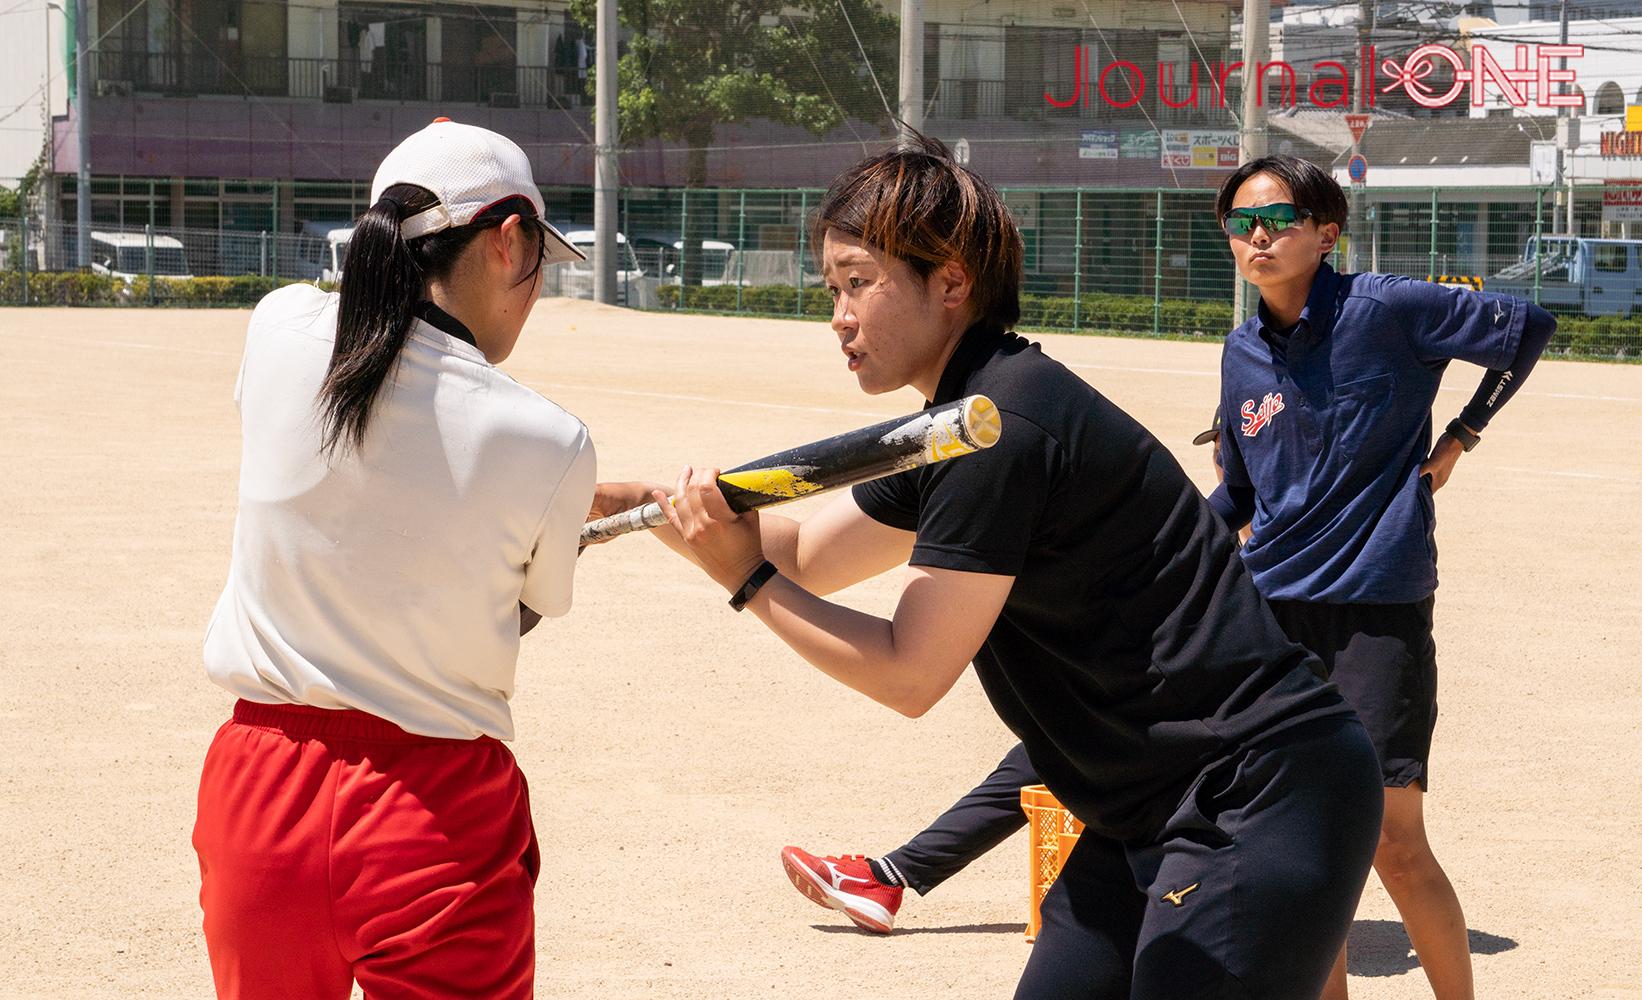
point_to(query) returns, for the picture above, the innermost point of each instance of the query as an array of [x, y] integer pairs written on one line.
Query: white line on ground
[[1575, 475], [708, 399], [1152, 371], [123, 343], [1555, 395], [1446, 388]]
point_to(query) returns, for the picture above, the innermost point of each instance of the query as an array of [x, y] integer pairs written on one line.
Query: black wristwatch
[[760, 577], [1461, 433]]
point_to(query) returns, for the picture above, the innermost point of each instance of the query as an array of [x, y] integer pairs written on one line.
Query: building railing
[[1023, 100], [204, 72]]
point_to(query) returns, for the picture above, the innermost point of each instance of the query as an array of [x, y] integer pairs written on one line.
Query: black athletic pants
[[1248, 892], [975, 824]]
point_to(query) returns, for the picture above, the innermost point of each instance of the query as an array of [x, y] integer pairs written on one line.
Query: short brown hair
[[915, 204]]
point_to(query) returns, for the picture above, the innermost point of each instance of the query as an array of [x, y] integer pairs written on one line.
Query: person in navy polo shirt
[[1327, 395]]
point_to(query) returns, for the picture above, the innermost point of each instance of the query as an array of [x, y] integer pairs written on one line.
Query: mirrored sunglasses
[[1272, 218]]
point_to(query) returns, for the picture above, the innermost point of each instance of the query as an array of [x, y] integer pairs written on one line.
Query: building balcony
[[1023, 100], [336, 80]]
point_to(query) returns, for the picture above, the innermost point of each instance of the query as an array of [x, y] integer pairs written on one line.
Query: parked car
[[661, 254], [336, 252], [574, 279], [125, 256], [1577, 274]]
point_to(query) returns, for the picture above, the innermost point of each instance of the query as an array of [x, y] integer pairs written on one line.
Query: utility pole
[[1356, 226], [82, 131], [1252, 135], [605, 179], [912, 64]]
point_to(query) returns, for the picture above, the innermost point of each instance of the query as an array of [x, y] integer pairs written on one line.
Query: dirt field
[[674, 746]]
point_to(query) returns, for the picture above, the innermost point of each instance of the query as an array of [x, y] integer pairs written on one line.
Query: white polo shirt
[[388, 578]]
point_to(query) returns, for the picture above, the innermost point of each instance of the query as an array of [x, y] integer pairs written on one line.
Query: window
[[1610, 100], [1612, 257]]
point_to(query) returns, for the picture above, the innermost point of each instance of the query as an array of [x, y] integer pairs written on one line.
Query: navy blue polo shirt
[[1330, 432], [1133, 649]]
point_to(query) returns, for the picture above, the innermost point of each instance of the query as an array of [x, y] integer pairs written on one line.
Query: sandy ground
[[673, 746]]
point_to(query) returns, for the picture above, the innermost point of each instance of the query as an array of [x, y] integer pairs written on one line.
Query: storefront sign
[[1098, 144], [1622, 201], [1202, 149], [1617, 144]]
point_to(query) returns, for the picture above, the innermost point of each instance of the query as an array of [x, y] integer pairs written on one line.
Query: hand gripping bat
[[958, 428]]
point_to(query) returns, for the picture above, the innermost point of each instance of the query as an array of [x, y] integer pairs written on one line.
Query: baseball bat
[[958, 428]]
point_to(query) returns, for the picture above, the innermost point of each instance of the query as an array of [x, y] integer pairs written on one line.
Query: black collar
[[441, 320], [972, 351]]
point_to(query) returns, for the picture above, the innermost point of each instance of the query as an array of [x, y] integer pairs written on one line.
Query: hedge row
[[1577, 336], [76, 289], [1097, 312]]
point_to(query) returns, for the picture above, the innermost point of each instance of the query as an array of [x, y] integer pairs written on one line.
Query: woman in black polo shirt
[[1231, 798]]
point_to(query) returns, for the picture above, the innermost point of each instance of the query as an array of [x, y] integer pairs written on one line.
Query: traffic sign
[[1357, 169], [1358, 125]]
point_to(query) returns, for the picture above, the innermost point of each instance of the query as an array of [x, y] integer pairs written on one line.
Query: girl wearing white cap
[[406, 512]]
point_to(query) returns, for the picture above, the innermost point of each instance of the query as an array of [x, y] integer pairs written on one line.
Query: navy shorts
[[1384, 660], [1247, 892]]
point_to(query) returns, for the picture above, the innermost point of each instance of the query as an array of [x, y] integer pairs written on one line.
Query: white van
[[336, 252], [125, 256]]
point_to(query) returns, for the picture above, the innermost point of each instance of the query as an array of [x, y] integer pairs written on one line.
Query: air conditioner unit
[[338, 95], [504, 99], [114, 88]]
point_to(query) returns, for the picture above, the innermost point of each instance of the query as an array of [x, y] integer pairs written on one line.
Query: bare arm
[[908, 662]]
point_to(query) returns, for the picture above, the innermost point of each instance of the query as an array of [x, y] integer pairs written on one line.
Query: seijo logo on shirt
[[1256, 418]]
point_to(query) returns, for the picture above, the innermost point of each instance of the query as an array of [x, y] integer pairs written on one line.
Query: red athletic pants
[[335, 846]]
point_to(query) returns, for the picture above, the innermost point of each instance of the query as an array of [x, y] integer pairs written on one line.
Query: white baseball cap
[[469, 169]]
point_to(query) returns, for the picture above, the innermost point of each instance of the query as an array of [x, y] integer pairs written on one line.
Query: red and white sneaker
[[844, 884]]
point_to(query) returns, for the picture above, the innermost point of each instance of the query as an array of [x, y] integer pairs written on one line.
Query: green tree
[[693, 65]]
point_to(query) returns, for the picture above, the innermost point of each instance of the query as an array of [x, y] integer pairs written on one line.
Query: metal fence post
[[23, 238], [1157, 270], [1539, 239], [150, 231], [274, 260], [1077, 260], [803, 234], [741, 253], [683, 242], [1433, 268], [262, 254]]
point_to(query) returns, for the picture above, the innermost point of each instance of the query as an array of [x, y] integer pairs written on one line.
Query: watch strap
[[1457, 430], [760, 577]]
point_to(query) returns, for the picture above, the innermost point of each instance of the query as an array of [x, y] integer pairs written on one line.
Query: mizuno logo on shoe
[[838, 877]]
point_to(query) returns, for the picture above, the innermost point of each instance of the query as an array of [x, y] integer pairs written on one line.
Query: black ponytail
[[382, 281]]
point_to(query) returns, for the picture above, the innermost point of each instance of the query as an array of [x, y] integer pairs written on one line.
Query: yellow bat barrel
[[938, 434]]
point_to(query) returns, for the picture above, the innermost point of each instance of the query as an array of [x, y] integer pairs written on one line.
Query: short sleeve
[[1441, 322], [1233, 471], [552, 567], [979, 513], [891, 500]]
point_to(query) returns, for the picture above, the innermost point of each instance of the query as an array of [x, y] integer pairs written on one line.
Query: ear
[[1328, 235], [503, 239], [953, 284]]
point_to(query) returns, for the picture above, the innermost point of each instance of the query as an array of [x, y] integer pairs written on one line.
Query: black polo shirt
[[1133, 649]]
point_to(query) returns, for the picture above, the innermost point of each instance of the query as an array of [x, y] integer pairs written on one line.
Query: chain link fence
[[1142, 261]]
